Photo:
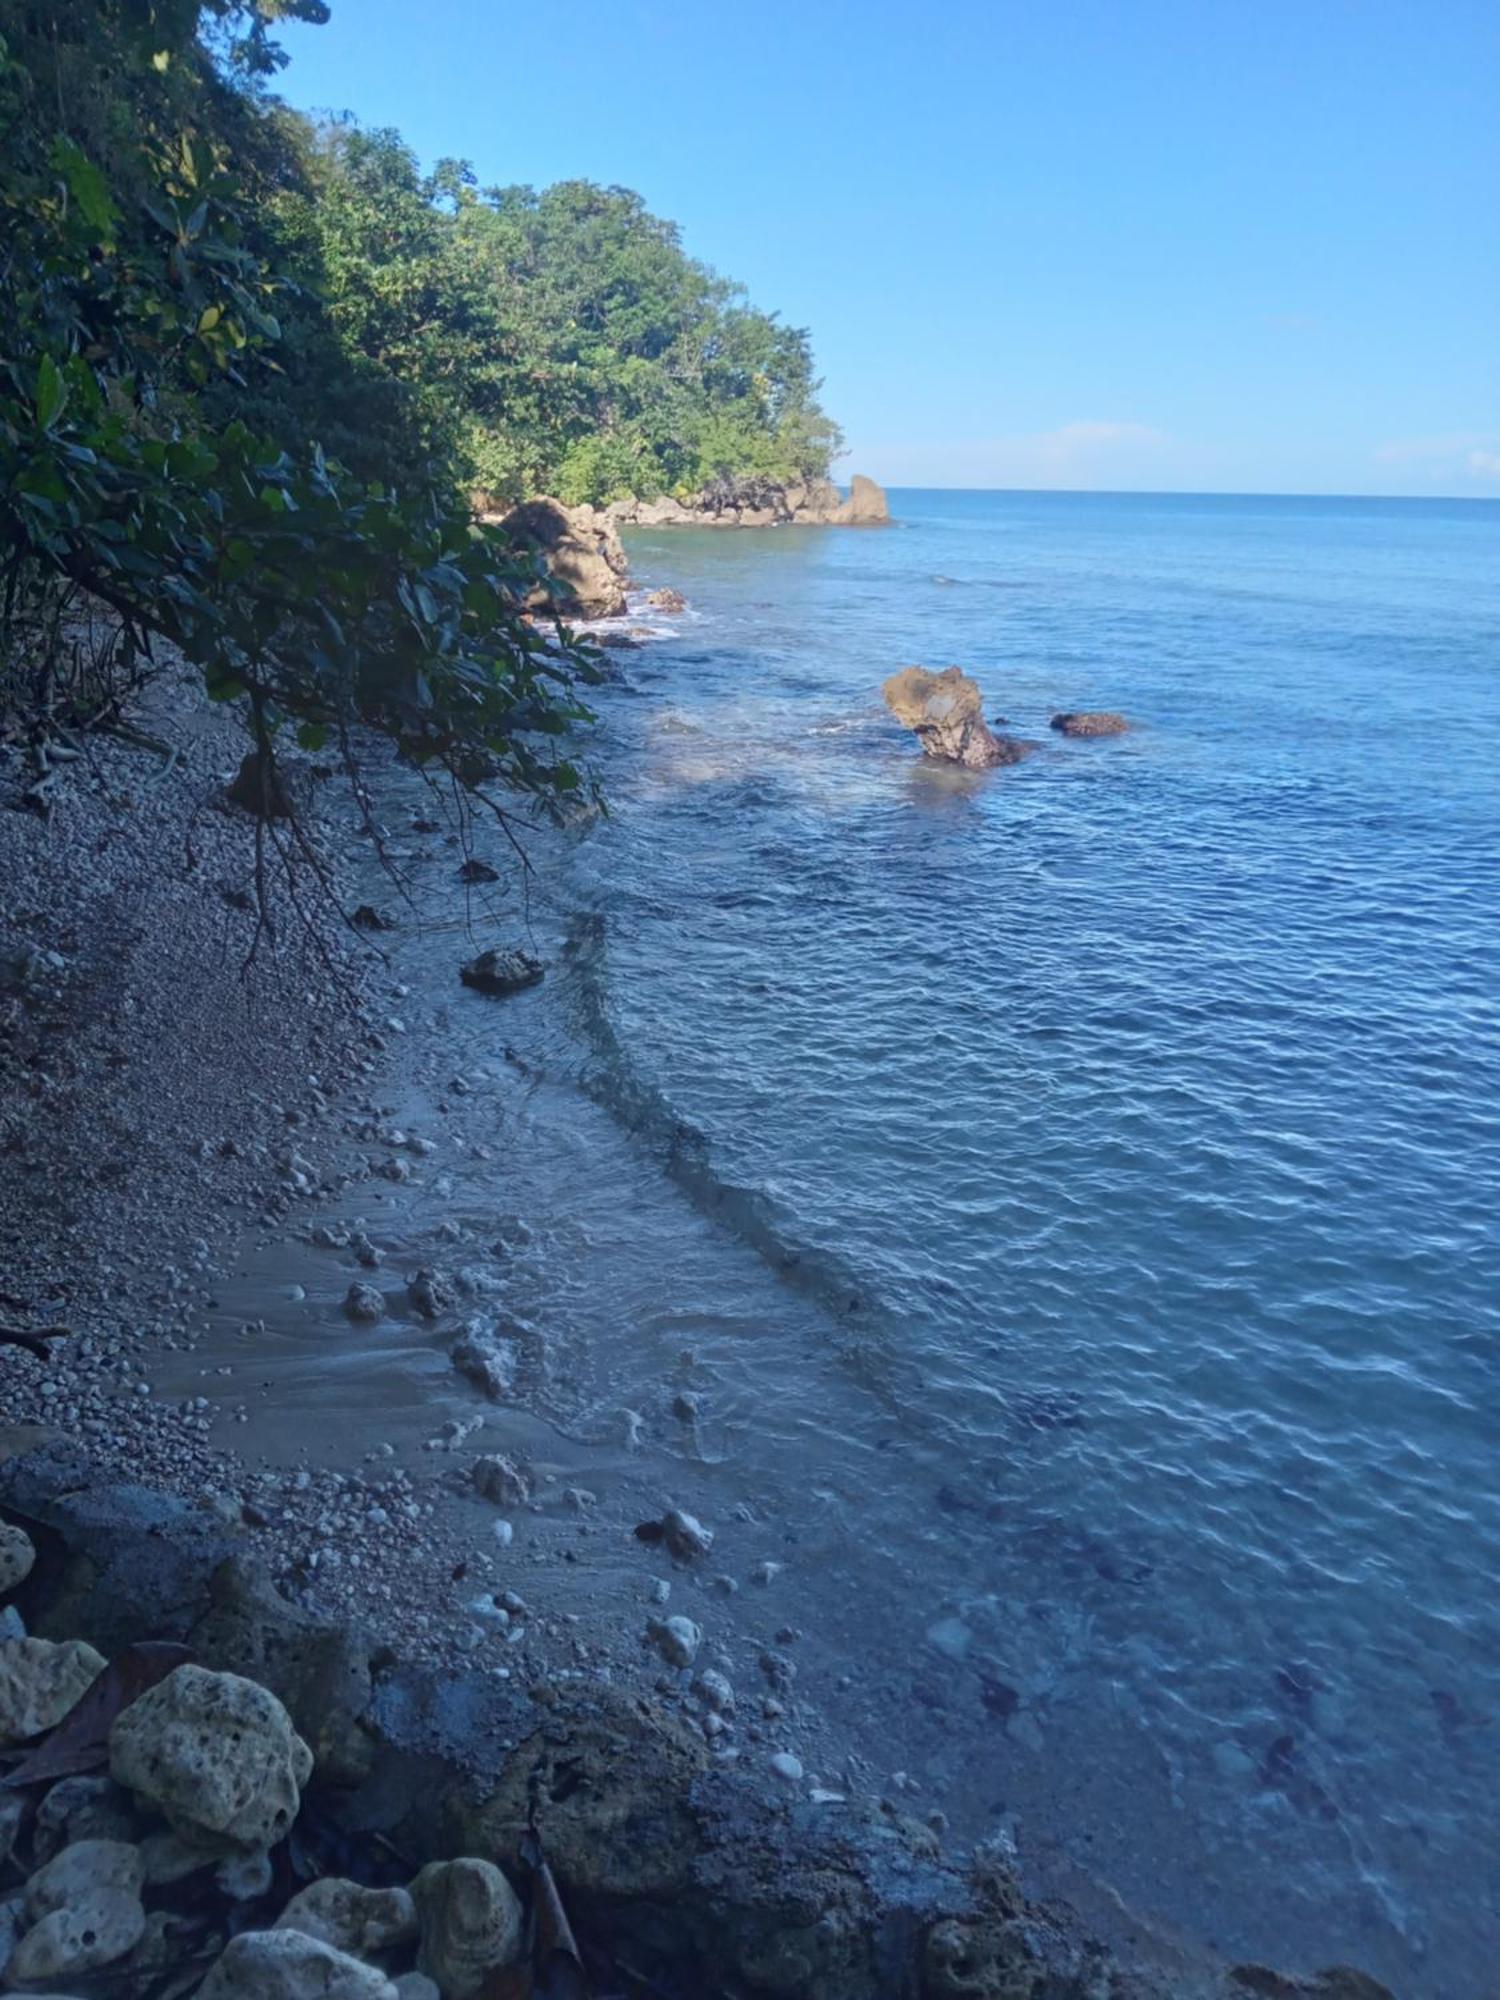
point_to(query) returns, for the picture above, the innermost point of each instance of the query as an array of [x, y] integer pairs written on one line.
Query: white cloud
[[1449, 458]]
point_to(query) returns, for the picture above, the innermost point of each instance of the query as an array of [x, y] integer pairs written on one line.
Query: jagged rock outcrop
[[946, 713], [580, 549], [816, 503]]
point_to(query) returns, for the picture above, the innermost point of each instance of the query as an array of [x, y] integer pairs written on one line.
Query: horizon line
[[1196, 493]]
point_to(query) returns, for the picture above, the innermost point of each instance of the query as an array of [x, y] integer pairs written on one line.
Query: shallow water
[[1070, 1191], [1118, 1141]]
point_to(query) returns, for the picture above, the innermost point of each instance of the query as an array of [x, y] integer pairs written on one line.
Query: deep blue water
[[1126, 1125]]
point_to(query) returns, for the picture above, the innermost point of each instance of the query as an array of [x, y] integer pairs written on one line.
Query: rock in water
[[365, 1303], [866, 506], [489, 1361], [471, 1924], [351, 1917], [580, 549], [667, 600], [1090, 722], [946, 712], [215, 1754], [502, 972], [39, 1683], [286, 1965]]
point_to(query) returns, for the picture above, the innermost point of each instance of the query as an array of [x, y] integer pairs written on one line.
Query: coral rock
[[39, 1683], [471, 1924], [287, 1965]]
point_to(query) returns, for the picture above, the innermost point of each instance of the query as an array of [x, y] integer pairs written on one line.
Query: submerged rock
[[287, 1965], [1090, 722], [667, 600], [214, 1754], [471, 1924], [430, 1294], [946, 713], [502, 972], [39, 1683]]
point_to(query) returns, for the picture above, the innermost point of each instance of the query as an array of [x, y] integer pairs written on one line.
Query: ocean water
[[1093, 1169]]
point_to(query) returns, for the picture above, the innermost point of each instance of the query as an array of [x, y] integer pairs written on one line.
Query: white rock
[[676, 1639], [39, 1683], [471, 1924], [500, 1479], [351, 1917], [87, 1867], [215, 1754], [286, 1965], [417, 1986], [786, 1766], [685, 1535], [95, 1930], [16, 1557], [714, 1691]]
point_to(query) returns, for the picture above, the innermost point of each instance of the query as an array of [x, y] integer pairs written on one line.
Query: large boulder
[[946, 713], [866, 506], [471, 1922], [581, 551], [215, 1754]]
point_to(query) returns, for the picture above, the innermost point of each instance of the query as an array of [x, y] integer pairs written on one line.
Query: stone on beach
[[500, 1479], [946, 713], [214, 1754], [676, 1639], [1090, 722], [471, 1924], [39, 1683], [16, 1557], [351, 1917], [288, 1965], [365, 1303], [96, 1928], [581, 551]]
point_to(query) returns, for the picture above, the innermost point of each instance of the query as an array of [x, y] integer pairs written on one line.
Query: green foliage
[[556, 342], [140, 319]]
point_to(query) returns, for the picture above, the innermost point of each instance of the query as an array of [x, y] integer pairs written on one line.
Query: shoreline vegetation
[[275, 406]]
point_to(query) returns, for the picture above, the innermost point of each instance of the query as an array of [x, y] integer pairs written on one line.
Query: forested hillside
[[257, 372]]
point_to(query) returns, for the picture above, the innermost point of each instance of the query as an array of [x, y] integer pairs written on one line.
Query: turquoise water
[[1122, 1132]]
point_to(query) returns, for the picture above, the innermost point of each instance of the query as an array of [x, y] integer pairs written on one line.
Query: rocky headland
[[816, 503]]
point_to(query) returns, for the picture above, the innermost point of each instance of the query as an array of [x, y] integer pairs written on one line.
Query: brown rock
[[946, 711], [1090, 722], [866, 506], [581, 550]]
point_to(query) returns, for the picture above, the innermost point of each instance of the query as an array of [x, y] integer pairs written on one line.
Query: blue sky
[[1239, 245]]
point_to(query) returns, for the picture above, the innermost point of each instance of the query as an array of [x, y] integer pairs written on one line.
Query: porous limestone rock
[[288, 1965], [430, 1294], [88, 1867], [667, 600], [677, 1639], [39, 1683], [16, 1557], [351, 1917], [581, 551], [95, 1929], [946, 713], [214, 1754], [1090, 722], [471, 1924]]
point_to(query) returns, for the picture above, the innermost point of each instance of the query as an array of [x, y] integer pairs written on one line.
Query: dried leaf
[[80, 1742]]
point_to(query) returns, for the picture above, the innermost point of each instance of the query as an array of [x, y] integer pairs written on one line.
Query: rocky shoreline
[[186, 1087], [815, 503]]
